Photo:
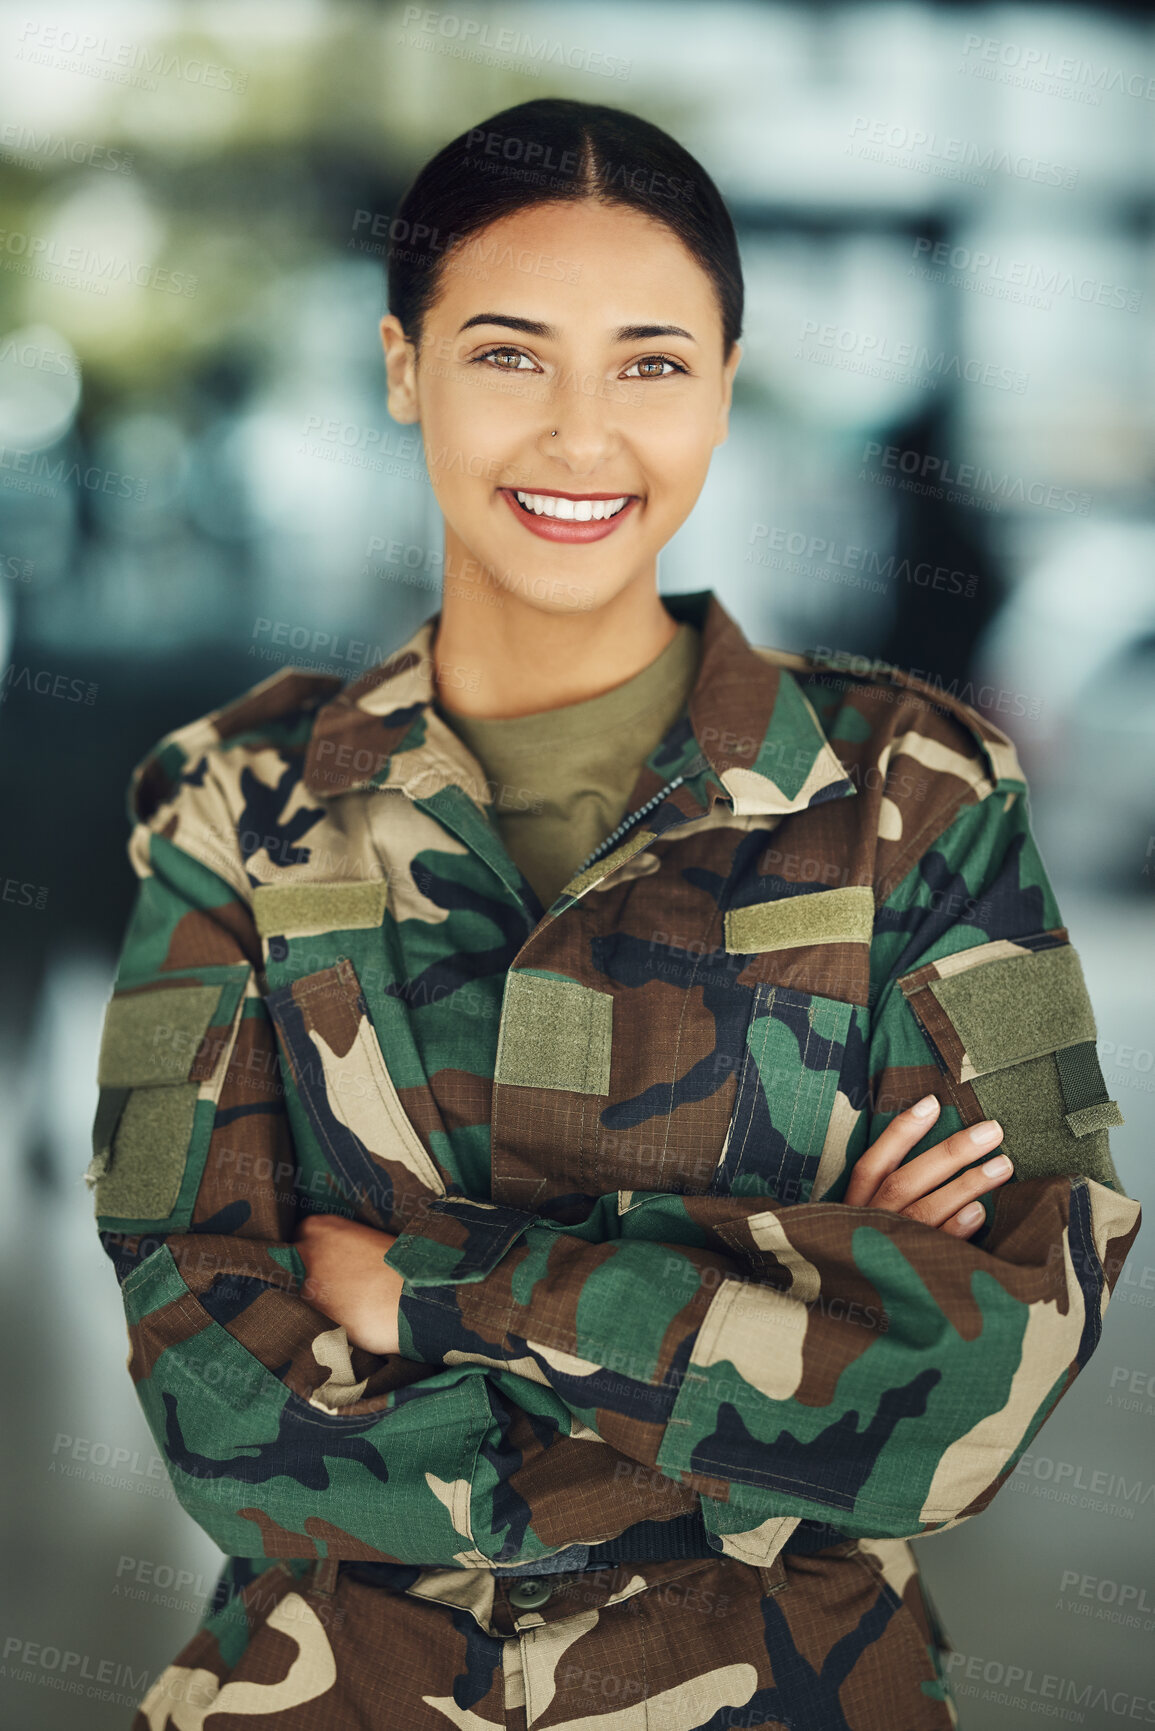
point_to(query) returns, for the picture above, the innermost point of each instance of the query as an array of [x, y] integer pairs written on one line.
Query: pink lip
[[551, 529]]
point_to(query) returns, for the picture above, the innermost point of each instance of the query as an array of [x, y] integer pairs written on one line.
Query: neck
[[497, 656]]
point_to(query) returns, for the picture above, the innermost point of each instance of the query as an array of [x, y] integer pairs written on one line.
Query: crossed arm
[[349, 1281]]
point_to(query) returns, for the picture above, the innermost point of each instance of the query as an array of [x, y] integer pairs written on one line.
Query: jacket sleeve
[[280, 1437], [840, 1364]]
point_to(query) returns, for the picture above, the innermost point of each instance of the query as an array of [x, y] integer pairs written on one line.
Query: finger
[[928, 1171], [966, 1222], [949, 1200], [889, 1149]]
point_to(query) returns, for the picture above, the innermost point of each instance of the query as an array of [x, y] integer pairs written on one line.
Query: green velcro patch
[[1101, 1116], [281, 909], [150, 1146], [554, 1034], [153, 1036], [1007, 1011], [1027, 1100], [844, 916]]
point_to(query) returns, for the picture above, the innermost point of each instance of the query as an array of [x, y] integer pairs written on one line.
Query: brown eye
[[517, 355], [653, 361]]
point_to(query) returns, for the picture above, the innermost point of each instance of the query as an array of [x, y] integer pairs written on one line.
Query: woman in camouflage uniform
[[550, 1087]]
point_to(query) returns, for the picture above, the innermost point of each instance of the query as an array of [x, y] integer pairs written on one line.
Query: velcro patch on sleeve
[[152, 1036], [1012, 1026], [165, 1050], [1009, 1010], [152, 1137]]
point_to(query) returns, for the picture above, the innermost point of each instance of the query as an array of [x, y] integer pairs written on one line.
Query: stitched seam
[[370, 1046], [743, 1102], [789, 1142], [333, 985]]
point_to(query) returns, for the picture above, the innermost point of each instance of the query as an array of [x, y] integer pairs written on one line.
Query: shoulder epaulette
[[997, 747], [288, 692]]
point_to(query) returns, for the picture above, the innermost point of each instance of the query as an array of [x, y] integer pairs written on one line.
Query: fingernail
[[924, 1107], [996, 1167], [972, 1212], [985, 1133]]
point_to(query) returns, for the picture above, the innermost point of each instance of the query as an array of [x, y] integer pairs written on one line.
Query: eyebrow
[[534, 328]]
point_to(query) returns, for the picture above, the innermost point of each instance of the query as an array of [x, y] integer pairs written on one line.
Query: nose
[[580, 430]]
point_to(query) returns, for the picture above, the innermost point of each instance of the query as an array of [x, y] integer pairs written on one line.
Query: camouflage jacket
[[612, 1135]]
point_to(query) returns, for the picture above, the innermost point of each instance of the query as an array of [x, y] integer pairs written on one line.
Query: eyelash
[[509, 349]]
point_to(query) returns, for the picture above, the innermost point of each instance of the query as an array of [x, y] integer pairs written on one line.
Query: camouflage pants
[[845, 1640]]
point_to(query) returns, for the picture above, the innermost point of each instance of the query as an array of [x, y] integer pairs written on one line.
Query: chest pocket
[[786, 1085], [349, 1099], [795, 1048]]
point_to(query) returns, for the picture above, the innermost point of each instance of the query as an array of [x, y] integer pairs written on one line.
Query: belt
[[685, 1536], [644, 1542], [663, 1541]]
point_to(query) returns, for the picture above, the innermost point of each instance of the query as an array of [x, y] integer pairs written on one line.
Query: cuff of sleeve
[[695, 1441], [460, 1239]]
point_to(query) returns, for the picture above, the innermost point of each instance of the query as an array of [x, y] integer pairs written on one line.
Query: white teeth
[[572, 510]]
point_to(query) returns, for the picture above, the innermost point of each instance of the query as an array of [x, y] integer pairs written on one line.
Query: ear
[[400, 371], [723, 428]]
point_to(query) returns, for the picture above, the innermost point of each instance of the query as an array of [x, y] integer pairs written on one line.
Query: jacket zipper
[[632, 817]]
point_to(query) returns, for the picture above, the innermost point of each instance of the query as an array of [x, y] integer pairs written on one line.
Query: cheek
[[469, 435]]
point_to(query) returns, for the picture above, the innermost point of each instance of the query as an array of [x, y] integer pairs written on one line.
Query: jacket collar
[[756, 729]]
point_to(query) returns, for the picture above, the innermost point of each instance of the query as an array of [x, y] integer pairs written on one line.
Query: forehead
[[597, 264]]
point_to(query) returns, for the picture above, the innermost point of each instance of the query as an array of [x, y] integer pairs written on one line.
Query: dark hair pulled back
[[545, 151]]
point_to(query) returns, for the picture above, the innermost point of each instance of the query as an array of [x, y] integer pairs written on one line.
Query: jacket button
[[529, 1595]]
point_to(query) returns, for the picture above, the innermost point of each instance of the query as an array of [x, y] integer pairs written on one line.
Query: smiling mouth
[[591, 508]]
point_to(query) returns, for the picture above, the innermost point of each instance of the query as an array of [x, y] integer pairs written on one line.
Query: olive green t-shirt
[[561, 779]]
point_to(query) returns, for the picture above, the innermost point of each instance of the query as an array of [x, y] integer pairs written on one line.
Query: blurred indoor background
[[942, 453]]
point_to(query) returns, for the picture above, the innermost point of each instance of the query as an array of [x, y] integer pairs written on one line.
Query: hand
[[347, 1280], [918, 1190]]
